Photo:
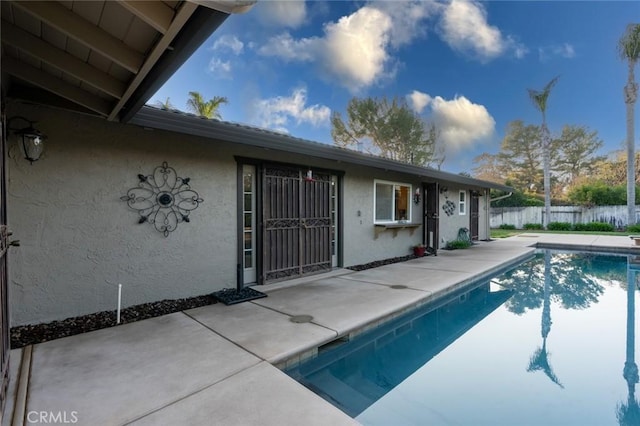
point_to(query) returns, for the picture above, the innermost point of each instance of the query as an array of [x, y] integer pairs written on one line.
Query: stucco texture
[[79, 240]]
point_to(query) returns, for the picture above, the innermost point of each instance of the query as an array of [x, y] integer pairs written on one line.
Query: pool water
[[549, 342]]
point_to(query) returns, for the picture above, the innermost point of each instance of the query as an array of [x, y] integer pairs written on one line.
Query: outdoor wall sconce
[[31, 140], [416, 196]]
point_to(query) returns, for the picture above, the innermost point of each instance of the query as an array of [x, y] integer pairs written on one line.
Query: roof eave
[[213, 129]]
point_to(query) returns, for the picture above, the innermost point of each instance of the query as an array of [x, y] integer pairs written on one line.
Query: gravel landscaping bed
[[30, 334], [381, 262]]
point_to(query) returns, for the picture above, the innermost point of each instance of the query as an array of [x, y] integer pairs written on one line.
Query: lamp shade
[[32, 142]]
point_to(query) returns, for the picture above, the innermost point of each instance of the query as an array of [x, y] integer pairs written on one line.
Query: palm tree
[[539, 99], [628, 413], [164, 105], [540, 359], [629, 50], [208, 109]]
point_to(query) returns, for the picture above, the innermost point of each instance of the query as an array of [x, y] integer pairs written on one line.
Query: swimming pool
[[549, 342]]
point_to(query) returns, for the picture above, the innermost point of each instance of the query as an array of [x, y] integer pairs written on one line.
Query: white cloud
[[418, 101], [220, 68], [461, 123], [564, 50], [289, 13], [279, 112], [355, 51], [286, 47], [464, 27], [229, 42]]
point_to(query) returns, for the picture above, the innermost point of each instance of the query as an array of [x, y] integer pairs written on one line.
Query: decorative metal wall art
[[163, 199]]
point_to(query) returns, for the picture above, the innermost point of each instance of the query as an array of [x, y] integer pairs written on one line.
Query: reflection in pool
[[551, 341]]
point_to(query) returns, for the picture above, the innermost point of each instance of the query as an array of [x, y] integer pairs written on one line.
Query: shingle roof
[[185, 123]]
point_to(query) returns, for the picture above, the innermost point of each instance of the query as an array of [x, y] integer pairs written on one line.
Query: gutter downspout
[[488, 201]]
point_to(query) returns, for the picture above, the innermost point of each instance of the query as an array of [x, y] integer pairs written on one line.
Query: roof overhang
[[104, 58], [179, 122]]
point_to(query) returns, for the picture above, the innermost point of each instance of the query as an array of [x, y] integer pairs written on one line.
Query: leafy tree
[[164, 105], [629, 50], [517, 199], [577, 146], [388, 128], [207, 109], [539, 99], [599, 193]]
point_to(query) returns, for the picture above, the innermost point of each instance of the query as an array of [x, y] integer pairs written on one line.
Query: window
[[462, 204], [392, 202]]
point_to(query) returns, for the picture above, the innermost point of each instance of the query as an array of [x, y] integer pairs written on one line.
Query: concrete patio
[[219, 364]]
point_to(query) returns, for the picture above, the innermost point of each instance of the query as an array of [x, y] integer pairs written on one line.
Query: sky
[[463, 65]]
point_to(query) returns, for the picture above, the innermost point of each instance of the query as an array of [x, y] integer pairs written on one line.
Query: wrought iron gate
[[474, 213], [296, 222], [431, 221]]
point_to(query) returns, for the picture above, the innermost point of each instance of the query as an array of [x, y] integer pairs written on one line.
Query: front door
[[474, 214], [296, 222], [431, 221]]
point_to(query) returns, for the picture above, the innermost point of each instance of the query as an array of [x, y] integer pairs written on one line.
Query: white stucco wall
[[360, 243], [451, 224], [79, 240]]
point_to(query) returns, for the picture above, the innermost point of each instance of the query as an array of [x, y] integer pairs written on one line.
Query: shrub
[[559, 226], [458, 244], [532, 226], [593, 226], [633, 228], [506, 226]]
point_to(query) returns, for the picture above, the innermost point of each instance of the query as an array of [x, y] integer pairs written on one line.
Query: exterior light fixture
[[416, 196], [30, 139]]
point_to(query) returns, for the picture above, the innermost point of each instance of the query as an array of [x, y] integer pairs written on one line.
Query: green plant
[[418, 246], [507, 226], [593, 226], [458, 244], [559, 226], [532, 226], [634, 228]]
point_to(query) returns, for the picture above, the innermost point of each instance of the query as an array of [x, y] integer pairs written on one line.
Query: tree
[[207, 109], [164, 105], [577, 147], [387, 128], [539, 99], [629, 50]]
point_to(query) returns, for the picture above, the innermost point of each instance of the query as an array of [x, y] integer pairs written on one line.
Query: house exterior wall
[[450, 224], [79, 240]]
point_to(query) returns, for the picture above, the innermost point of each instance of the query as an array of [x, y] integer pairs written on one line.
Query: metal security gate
[[474, 215], [296, 218], [4, 245], [431, 220]]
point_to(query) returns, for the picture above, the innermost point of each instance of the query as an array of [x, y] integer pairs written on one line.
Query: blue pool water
[[550, 342]]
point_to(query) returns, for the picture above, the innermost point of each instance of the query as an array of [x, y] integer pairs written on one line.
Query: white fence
[[518, 216]]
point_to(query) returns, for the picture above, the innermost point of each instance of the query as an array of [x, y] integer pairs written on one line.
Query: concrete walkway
[[219, 364]]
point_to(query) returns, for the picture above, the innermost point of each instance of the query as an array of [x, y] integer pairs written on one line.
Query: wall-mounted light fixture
[[416, 196], [30, 139]]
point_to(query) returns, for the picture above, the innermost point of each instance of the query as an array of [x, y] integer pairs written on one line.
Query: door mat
[[231, 296]]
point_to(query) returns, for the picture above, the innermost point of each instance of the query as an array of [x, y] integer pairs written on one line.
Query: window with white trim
[[392, 202], [462, 203]]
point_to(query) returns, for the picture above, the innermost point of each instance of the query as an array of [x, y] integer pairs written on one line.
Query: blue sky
[[464, 65]]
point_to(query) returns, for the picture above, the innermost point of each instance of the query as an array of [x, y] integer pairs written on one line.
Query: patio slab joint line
[[192, 393], [22, 393]]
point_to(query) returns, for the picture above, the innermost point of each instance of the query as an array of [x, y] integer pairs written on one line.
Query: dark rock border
[[381, 262], [38, 333], [31, 334]]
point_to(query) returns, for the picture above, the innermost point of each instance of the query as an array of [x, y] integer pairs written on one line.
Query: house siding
[[79, 240]]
